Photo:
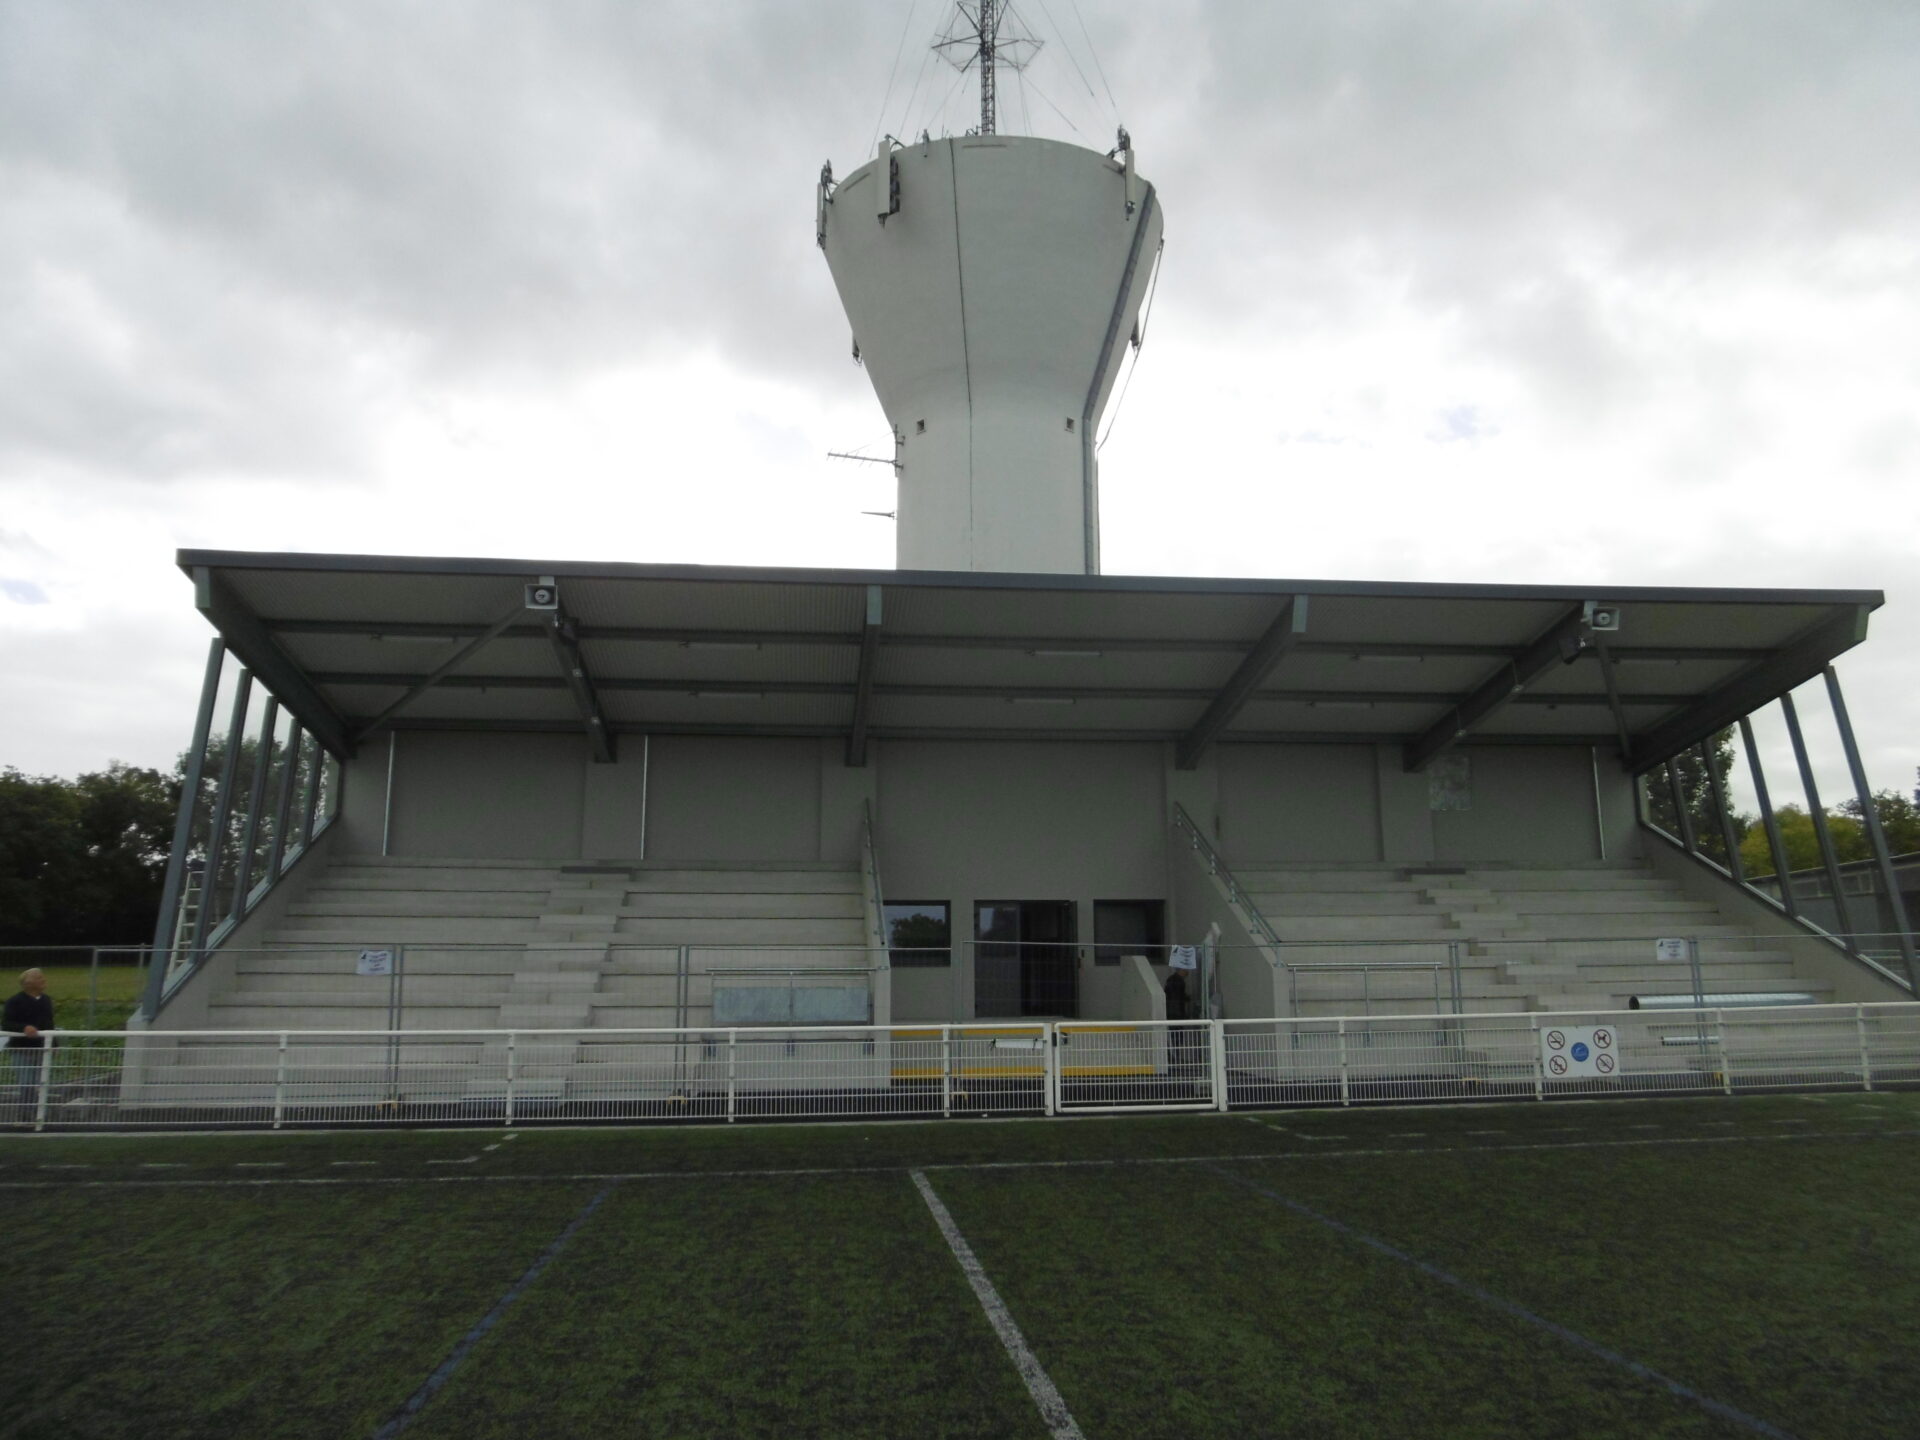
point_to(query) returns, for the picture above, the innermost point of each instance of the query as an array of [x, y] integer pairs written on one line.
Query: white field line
[[581, 1177], [1046, 1396]]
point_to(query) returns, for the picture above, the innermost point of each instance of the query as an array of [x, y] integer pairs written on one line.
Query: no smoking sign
[[1571, 1052]]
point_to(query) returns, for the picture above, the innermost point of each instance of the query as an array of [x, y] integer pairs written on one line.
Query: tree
[[1696, 794], [82, 861], [1899, 818]]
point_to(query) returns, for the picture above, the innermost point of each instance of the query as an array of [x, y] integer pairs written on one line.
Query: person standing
[[26, 1019]]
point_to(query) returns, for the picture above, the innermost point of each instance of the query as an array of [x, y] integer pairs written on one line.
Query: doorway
[[1027, 958]]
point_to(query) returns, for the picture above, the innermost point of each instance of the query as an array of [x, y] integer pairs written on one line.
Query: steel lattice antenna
[[976, 39]]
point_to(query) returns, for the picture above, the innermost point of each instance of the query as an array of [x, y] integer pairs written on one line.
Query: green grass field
[[1518, 1270]]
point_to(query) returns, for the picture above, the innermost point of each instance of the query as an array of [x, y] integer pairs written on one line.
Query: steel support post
[[1217, 1037], [166, 926], [310, 805], [1453, 966], [46, 1083], [256, 798], [1539, 1067], [510, 1078], [1682, 816], [1876, 833], [1717, 788], [1050, 1068], [222, 804], [1860, 1033], [283, 805], [1776, 846], [1820, 831], [1726, 1057], [93, 985], [280, 1084], [1340, 1041], [946, 1072], [733, 1056]]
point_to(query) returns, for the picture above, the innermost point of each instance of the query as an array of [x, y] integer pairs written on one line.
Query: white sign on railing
[[1574, 1051], [375, 962], [1670, 951]]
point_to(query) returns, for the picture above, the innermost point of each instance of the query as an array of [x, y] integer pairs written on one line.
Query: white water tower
[[993, 282]]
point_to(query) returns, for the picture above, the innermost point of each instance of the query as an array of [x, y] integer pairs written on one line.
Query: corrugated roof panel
[[655, 659]]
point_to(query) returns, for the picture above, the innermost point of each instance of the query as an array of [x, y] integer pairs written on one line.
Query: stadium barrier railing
[[227, 1078]]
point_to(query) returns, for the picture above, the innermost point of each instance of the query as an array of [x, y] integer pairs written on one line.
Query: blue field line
[[410, 1411], [1519, 1312]]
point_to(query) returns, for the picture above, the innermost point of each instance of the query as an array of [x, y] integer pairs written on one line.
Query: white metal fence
[[116, 1080]]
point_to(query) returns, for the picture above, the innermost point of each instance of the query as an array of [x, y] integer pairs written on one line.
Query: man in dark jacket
[[26, 1017]]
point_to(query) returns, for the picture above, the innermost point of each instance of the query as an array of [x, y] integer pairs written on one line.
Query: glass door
[[1026, 958]]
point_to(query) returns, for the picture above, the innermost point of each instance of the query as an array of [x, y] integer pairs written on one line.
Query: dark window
[[919, 932], [1129, 927]]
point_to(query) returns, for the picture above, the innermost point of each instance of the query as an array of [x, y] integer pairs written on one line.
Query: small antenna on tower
[[979, 35]]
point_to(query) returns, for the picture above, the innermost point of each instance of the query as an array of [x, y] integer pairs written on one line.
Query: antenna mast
[[988, 21], [974, 38]]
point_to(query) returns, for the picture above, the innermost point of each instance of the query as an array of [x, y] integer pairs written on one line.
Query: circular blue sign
[[1580, 1051]]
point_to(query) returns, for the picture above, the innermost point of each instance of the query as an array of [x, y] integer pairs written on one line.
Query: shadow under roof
[[891, 654]]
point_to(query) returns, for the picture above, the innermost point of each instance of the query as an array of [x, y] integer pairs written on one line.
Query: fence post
[[1726, 1060], [93, 985], [1453, 965], [1866, 1061], [1049, 1067], [1217, 1034], [1539, 1067], [1340, 1042], [280, 1083], [46, 1082], [510, 1075], [733, 1055], [946, 1072]]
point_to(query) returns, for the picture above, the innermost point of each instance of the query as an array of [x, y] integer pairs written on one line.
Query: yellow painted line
[[1108, 1070]]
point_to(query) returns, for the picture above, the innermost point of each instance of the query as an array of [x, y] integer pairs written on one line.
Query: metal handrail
[[1218, 867]]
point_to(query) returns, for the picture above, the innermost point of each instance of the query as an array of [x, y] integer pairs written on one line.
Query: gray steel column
[[1819, 816], [1682, 819], [1876, 833], [312, 801], [283, 807], [222, 801], [183, 830], [1717, 788], [256, 798], [1775, 843]]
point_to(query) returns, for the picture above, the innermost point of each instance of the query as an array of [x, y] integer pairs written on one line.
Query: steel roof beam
[[1281, 636], [252, 644], [1566, 640], [564, 634], [863, 682], [419, 685], [1784, 669]]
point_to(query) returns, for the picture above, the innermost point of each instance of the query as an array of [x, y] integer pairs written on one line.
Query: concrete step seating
[[524, 945], [1531, 938]]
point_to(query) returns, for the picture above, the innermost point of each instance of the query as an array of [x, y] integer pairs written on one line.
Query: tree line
[[1899, 817], [83, 861]]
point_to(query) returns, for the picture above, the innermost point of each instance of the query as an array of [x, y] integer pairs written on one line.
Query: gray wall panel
[[1286, 803], [488, 797], [1531, 804], [734, 799]]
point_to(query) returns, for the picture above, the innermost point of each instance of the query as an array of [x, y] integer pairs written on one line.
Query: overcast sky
[[1597, 294]]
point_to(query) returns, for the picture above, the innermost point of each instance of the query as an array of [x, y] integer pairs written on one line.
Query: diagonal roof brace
[[564, 631], [440, 672], [1569, 637], [1281, 636], [863, 682], [1753, 687]]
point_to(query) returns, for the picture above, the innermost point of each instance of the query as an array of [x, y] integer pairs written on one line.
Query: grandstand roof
[[886, 654]]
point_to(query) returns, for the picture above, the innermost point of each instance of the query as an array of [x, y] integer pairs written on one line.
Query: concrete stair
[[527, 947], [1530, 939]]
